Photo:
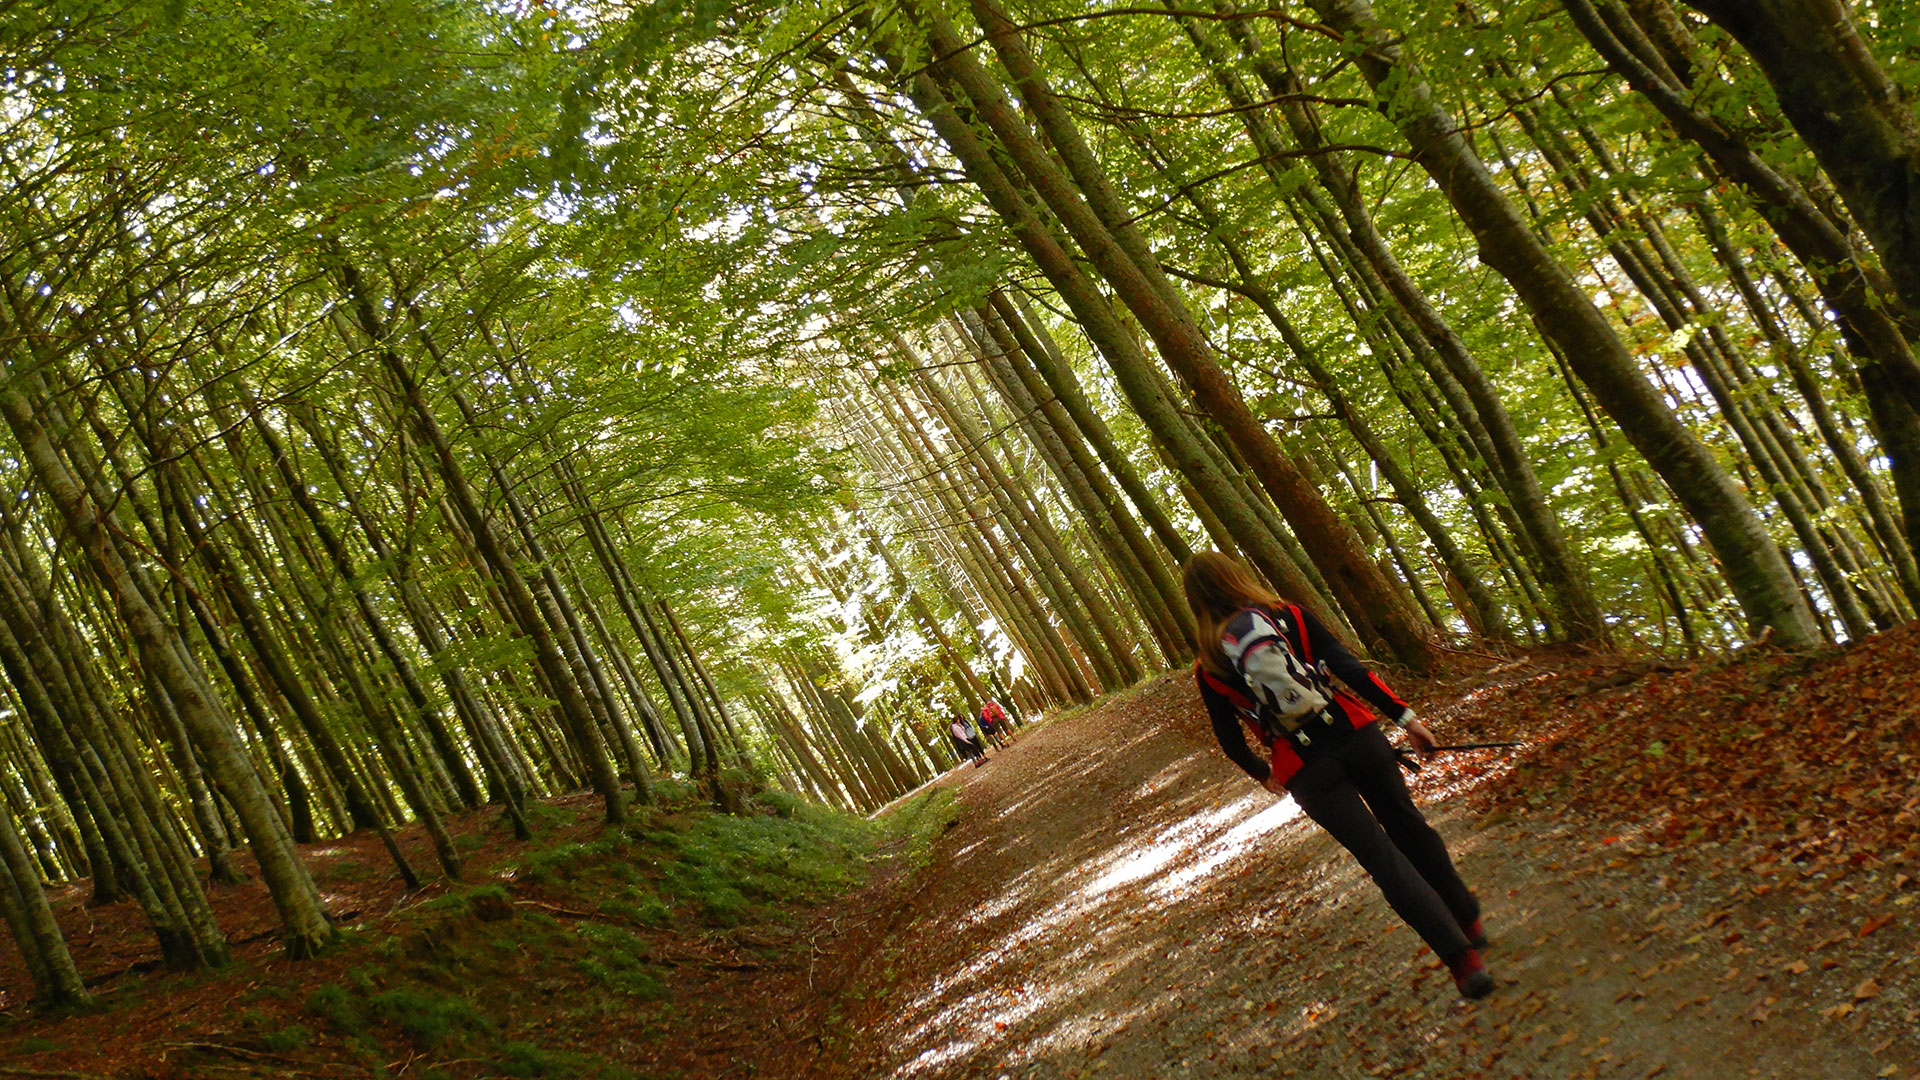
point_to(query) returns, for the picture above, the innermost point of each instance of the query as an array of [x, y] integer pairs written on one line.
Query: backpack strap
[[1300, 628], [1244, 705], [1224, 688], [1359, 713]]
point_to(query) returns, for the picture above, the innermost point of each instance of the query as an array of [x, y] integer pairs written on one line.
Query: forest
[[444, 429]]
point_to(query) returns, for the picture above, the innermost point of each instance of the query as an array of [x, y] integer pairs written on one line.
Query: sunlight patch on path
[[1064, 951], [1189, 840], [1232, 844]]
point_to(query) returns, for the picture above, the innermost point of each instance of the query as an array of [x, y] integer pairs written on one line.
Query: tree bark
[[302, 913], [1753, 564], [515, 587], [1083, 199], [1857, 121]]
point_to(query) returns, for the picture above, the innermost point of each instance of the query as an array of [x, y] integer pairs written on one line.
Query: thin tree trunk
[[56, 980], [1181, 443], [1578, 611], [514, 586], [1093, 214], [302, 913], [1752, 562]]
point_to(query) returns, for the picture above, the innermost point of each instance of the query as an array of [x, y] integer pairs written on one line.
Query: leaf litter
[[1691, 870], [1697, 869]]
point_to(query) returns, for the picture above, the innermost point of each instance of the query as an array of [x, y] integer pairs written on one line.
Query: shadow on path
[[1118, 900]]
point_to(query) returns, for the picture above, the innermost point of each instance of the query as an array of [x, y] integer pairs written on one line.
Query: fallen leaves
[[1724, 896], [1873, 924], [1771, 796]]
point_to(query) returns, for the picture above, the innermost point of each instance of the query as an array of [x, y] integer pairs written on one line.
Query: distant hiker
[[1265, 663], [967, 742], [993, 724]]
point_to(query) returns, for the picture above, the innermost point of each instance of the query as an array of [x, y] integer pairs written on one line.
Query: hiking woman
[[966, 742], [1265, 663]]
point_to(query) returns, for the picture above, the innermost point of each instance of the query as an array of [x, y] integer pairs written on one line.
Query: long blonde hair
[[1217, 587]]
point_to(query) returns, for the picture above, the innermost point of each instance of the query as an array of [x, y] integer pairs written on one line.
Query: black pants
[[1355, 792], [969, 749]]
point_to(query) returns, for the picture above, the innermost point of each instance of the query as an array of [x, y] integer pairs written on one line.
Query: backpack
[[1283, 693]]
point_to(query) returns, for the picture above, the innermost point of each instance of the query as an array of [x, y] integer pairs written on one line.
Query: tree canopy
[[414, 405]]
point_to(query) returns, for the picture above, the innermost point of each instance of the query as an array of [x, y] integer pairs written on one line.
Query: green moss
[[466, 976], [542, 815], [563, 862], [344, 870], [438, 904], [619, 960], [366, 977], [726, 865], [643, 910], [921, 820], [487, 903], [781, 803], [282, 1039], [428, 1018], [483, 893], [639, 983], [536, 920], [530, 1060], [676, 791], [337, 1007]]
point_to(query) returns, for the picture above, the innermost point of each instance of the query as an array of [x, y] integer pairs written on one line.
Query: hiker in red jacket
[[993, 724], [1265, 663]]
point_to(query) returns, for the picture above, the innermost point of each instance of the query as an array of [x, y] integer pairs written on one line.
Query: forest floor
[[655, 950], [1691, 870]]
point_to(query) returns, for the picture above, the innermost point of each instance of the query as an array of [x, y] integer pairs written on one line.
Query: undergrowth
[[567, 963]]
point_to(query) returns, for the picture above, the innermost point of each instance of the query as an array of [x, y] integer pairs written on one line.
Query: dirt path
[[1118, 900]]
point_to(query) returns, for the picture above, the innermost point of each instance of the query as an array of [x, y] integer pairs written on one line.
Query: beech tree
[[414, 413]]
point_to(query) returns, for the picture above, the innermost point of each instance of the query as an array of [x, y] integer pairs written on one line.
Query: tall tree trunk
[[56, 981], [1183, 446], [996, 562], [1010, 366], [272, 658], [1107, 645], [1082, 197], [1577, 610], [1040, 349], [515, 586], [1753, 564], [1858, 122], [302, 913]]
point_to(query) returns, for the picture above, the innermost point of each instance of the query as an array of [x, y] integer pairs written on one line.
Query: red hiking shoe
[[1477, 936], [1470, 974]]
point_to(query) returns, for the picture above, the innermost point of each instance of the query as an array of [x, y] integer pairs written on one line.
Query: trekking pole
[[1411, 758]]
